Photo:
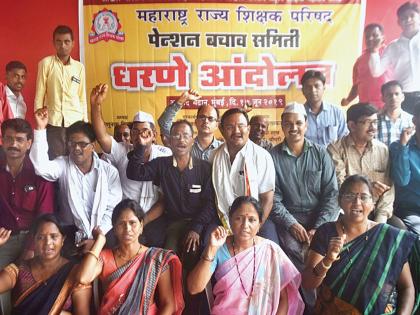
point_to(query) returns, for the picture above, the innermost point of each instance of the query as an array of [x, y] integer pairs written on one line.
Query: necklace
[[125, 259], [237, 268]]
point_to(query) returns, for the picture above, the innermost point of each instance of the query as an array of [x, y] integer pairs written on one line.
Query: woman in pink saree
[[253, 275], [134, 279]]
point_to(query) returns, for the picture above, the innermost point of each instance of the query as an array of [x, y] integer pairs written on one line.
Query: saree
[[274, 272], [131, 288], [364, 279], [46, 296]]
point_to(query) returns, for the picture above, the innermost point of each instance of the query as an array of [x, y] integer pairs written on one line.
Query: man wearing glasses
[[145, 192], [359, 153], [89, 187], [206, 122]]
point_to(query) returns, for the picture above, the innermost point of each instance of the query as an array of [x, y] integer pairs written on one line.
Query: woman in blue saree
[[361, 266], [45, 284]]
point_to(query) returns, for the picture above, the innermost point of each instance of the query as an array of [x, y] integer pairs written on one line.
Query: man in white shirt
[[143, 192], [15, 81], [242, 168], [89, 187], [402, 56]]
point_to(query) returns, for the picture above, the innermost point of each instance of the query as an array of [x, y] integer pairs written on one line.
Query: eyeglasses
[[125, 134], [231, 128], [80, 144], [180, 136], [350, 197], [145, 132], [368, 122], [204, 117]]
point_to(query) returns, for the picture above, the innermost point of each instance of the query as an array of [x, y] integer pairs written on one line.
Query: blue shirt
[[405, 171], [326, 127], [305, 185]]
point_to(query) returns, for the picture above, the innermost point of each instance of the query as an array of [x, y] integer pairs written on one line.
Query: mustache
[[13, 149]]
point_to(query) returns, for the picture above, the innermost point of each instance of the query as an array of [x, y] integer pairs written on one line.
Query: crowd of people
[[325, 222]]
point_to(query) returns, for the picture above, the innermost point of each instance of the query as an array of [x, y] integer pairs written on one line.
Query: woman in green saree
[[361, 266]]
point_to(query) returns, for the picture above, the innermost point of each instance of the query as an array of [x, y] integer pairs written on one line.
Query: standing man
[[60, 87], [402, 56], [206, 122], [259, 128], [242, 168], [15, 81], [306, 190], [392, 120], [326, 122], [359, 153], [367, 87], [144, 192], [90, 188], [23, 196], [405, 171]]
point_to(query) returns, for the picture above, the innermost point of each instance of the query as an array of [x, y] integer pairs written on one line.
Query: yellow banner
[[232, 53]]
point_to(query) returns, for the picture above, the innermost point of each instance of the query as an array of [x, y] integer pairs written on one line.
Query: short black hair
[[182, 122], [127, 204], [310, 74], [238, 202], [18, 125], [232, 111], [350, 181], [45, 218], [257, 116], [389, 84], [63, 29], [356, 111], [408, 6], [15, 64], [371, 26], [215, 108], [82, 127]]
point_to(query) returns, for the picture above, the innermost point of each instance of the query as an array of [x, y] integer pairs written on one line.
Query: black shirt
[[187, 194]]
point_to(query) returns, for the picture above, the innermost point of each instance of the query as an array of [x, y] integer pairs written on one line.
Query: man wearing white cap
[[145, 193], [306, 190]]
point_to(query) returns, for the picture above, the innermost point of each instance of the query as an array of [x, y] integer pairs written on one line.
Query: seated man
[[259, 127], [242, 168], [145, 193], [405, 171], [122, 133], [359, 153], [206, 123], [23, 195], [326, 122], [392, 120], [89, 187], [186, 185], [306, 190]]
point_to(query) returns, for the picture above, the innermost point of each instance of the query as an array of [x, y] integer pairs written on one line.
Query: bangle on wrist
[[93, 254], [207, 258], [324, 265]]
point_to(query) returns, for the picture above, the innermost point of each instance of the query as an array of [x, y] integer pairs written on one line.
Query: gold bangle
[[206, 258], [324, 265], [93, 254]]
